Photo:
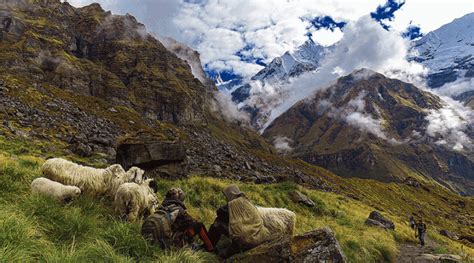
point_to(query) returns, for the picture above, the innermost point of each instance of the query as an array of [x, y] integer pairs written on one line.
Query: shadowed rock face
[[373, 127], [157, 158]]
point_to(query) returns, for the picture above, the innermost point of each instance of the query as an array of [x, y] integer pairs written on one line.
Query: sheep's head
[[73, 193], [116, 170], [77, 192], [136, 175]]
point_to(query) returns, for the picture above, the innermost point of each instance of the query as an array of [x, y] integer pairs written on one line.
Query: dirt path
[[414, 253]]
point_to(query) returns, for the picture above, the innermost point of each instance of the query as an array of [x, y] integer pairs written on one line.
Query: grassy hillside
[[59, 98], [34, 228]]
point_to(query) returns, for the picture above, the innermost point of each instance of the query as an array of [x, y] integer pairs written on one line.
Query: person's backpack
[[157, 228]]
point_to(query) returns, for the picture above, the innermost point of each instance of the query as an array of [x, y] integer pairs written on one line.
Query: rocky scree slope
[[374, 127]]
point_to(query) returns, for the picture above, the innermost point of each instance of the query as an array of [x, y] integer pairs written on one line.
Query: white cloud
[[455, 88], [326, 37], [282, 144], [224, 106], [366, 123], [451, 125], [355, 114]]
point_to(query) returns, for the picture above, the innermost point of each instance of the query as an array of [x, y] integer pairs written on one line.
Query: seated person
[[171, 225], [240, 221]]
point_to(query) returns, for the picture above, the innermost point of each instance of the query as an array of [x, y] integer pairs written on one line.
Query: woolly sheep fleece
[[90, 180], [278, 220], [58, 191], [134, 200]]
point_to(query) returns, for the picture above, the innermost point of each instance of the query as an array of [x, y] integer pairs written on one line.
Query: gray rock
[[377, 216], [217, 168], [52, 105], [448, 234], [444, 258], [81, 149], [157, 158], [113, 110], [315, 246], [299, 197], [264, 179], [371, 222], [3, 89]]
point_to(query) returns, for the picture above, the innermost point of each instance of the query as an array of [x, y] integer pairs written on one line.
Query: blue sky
[[240, 37]]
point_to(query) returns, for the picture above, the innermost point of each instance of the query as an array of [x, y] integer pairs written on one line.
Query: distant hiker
[[240, 221], [171, 225], [421, 231], [412, 223]]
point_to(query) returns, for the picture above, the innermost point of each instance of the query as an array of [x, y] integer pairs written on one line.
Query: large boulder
[[316, 246], [376, 216], [449, 234], [166, 159]]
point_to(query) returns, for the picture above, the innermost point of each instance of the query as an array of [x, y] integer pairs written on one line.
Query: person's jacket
[[421, 228]]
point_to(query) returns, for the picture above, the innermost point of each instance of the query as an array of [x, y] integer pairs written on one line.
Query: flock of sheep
[[133, 195]]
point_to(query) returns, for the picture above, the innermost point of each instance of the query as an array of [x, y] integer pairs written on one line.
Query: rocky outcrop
[[91, 52], [158, 158], [301, 198], [315, 246], [449, 234], [377, 219]]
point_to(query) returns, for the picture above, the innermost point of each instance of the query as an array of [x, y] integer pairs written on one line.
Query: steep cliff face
[[374, 127], [92, 52]]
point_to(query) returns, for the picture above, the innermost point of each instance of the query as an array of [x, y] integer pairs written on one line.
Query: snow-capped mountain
[[304, 58], [448, 53]]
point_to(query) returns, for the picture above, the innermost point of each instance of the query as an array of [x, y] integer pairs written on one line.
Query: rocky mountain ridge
[[374, 127]]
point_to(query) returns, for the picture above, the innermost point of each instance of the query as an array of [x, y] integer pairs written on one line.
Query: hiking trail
[[415, 253]]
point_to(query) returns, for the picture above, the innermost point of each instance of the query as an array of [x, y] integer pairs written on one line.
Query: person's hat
[[232, 192]]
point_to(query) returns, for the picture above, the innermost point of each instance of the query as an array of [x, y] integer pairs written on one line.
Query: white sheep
[[134, 200], [136, 175], [58, 191], [90, 180], [278, 220]]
